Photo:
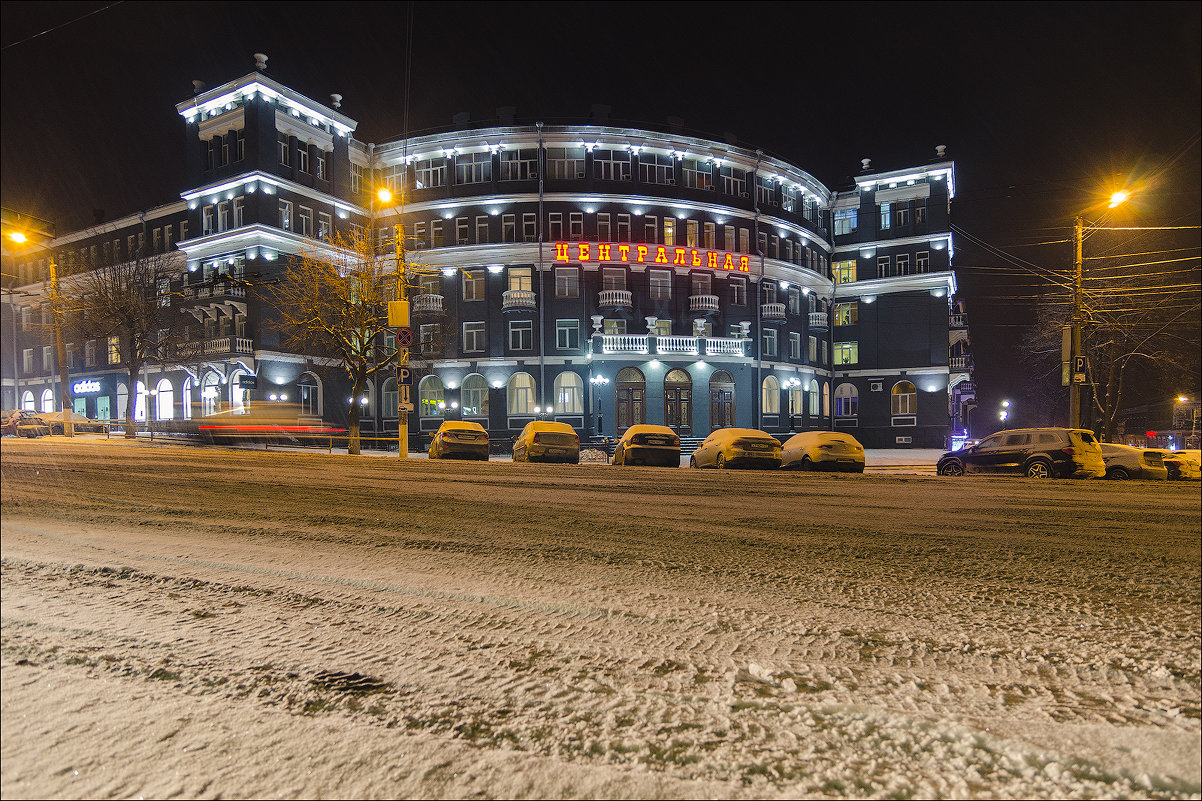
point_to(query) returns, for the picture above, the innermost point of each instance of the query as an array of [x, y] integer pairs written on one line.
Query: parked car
[[648, 445], [24, 423], [1031, 452], [823, 450], [79, 423], [544, 441], [738, 447], [1184, 464], [459, 439], [1124, 461]]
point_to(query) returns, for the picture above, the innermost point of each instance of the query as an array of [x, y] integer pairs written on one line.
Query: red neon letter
[[561, 252], [680, 257], [602, 252], [661, 255], [696, 259], [712, 260], [623, 252], [728, 264], [582, 248], [642, 253], [743, 264]]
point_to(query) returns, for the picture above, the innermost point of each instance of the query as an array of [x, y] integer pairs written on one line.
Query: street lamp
[[594, 382], [1076, 360], [1192, 439], [1004, 414]]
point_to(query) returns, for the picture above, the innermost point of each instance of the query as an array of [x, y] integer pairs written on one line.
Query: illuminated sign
[[651, 254], [88, 385]]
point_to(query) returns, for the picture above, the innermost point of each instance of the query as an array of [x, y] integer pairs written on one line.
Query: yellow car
[[1185, 464], [650, 445], [823, 450], [738, 447], [544, 441], [457, 439]]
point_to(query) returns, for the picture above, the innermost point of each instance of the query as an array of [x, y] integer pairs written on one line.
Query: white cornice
[[932, 282], [118, 225], [251, 181], [256, 83], [868, 249]]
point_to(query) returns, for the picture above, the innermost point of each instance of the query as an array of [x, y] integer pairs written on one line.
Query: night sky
[[1042, 106]]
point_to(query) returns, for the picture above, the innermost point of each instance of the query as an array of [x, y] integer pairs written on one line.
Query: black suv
[[1031, 452]]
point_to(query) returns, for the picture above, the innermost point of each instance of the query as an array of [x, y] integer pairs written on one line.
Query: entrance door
[[678, 401], [722, 400], [630, 398]]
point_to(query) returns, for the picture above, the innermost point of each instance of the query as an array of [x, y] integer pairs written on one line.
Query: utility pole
[[402, 351], [1074, 388], [56, 309]]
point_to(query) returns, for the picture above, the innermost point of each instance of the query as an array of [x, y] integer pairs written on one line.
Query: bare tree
[[333, 303], [1140, 302], [133, 301]]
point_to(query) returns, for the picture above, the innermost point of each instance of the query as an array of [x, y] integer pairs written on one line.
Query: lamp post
[[1075, 356], [399, 319], [1193, 421], [594, 382], [1004, 414]]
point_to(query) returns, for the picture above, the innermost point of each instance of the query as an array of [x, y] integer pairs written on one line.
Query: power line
[[61, 25]]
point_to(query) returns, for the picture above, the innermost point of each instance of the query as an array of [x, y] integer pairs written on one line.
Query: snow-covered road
[[196, 622]]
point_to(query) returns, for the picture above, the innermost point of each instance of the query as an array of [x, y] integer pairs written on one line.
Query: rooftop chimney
[[260, 62], [198, 87], [336, 101]]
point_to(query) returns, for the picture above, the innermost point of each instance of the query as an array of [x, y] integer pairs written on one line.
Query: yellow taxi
[[460, 439], [649, 445], [545, 441], [738, 447]]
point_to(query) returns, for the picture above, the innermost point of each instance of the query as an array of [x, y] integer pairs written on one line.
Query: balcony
[[772, 311], [958, 320], [428, 304], [215, 347], [686, 346], [517, 299], [216, 291], [722, 346], [818, 320], [612, 298], [959, 362], [623, 343], [706, 304]]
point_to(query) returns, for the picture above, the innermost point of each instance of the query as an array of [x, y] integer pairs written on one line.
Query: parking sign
[[403, 374]]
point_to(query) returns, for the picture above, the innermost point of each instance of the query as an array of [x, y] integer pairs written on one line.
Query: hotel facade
[[598, 275]]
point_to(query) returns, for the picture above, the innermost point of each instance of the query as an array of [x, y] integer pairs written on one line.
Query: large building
[[594, 274]]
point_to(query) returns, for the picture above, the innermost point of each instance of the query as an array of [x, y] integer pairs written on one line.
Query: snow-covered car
[[738, 447], [1030, 452], [823, 450], [460, 439], [24, 423], [1185, 464], [1124, 461], [545, 441], [648, 445]]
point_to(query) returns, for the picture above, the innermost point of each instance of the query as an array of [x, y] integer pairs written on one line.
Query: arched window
[[210, 394], [519, 394], [770, 396], [814, 399], [473, 396], [185, 400], [140, 404], [826, 399], [391, 398], [847, 401], [429, 393], [164, 400], [308, 395], [27, 401], [122, 400], [569, 393], [905, 398], [47, 400]]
